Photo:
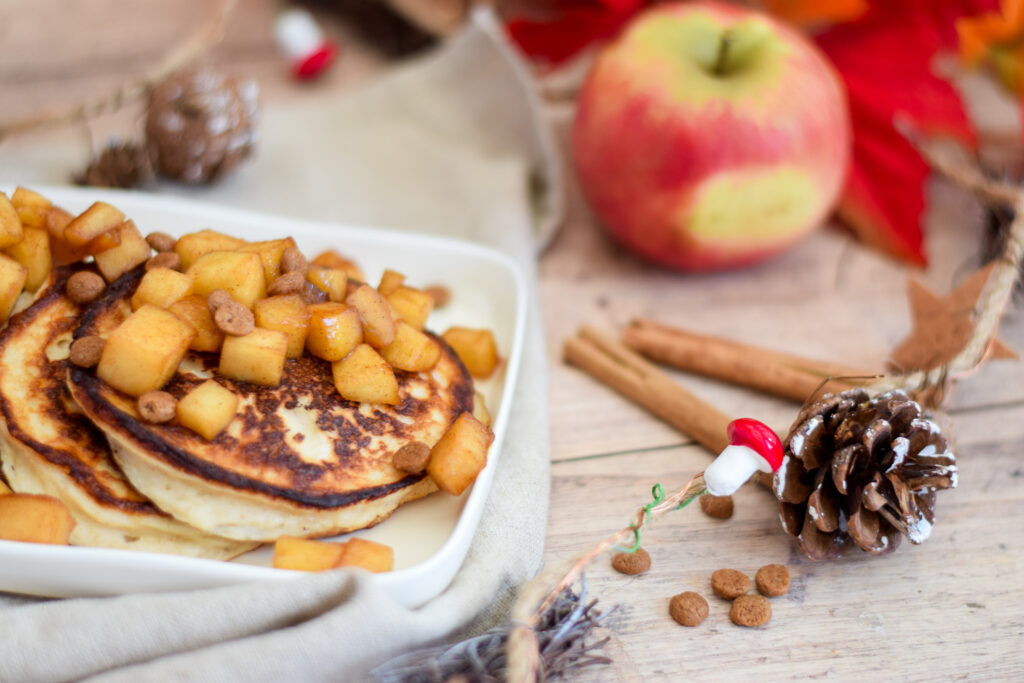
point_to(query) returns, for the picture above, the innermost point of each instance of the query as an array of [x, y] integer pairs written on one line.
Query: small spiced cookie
[[772, 580], [632, 563], [688, 609], [729, 583], [750, 610], [719, 507]]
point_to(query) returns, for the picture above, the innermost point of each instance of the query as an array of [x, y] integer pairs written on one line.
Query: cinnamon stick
[[773, 372]]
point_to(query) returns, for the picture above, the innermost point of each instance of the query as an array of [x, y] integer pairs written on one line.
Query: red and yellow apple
[[710, 136]]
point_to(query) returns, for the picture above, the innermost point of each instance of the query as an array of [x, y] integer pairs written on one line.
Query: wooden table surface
[[950, 608]]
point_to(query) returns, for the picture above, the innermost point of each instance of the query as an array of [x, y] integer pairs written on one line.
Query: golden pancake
[[297, 459], [48, 446]]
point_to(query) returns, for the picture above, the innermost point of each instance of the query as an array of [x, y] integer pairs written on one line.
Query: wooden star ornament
[[942, 326]]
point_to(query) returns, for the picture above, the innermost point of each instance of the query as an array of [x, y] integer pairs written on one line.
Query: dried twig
[[207, 35]]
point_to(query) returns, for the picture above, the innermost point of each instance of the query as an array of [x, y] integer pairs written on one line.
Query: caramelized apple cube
[[332, 259], [31, 206], [332, 281], [390, 280], [375, 314], [414, 305], [364, 376], [207, 409], [196, 244], [456, 460], [35, 519], [238, 273], [270, 252], [411, 350], [10, 224], [305, 554], [162, 287], [475, 348], [143, 352], [132, 251], [286, 314], [33, 252], [57, 220], [93, 222], [375, 557], [193, 310], [334, 330], [12, 280], [257, 357]]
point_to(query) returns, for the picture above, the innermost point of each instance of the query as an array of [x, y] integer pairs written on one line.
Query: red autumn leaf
[[886, 60], [572, 26]]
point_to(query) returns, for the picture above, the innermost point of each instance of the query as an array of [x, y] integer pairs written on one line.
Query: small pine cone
[[201, 124], [124, 165], [861, 470]]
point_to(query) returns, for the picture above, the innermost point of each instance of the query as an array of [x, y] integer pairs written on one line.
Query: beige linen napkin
[[444, 145]]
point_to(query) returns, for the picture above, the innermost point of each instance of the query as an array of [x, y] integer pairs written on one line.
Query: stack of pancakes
[[298, 459]]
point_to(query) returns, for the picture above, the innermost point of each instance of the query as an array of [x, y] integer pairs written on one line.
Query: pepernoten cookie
[[772, 580], [688, 609], [729, 583], [632, 563], [750, 610]]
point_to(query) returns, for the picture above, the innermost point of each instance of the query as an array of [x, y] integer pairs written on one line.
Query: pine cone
[[201, 124], [124, 165], [861, 470]]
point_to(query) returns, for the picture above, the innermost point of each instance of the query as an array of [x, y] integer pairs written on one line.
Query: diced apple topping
[[364, 376], [98, 219], [332, 259], [31, 206], [411, 350], [33, 518], [193, 310], [475, 348], [305, 554], [375, 557], [270, 252], [13, 276], [10, 223], [133, 250], [33, 252], [257, 357], [287, 314], [456, 460], [413, 305], [196, 244], [334, 330], [238, 273], [208, 409], [143, 352], [390, 280], [375, 315], [332, 281], [162, 287]]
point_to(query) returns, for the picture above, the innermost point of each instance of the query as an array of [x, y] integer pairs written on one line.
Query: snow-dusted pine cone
[[861, 470], [120, 164]]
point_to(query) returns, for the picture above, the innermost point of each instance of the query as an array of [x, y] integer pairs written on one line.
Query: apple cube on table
[[270, 252], [334, 330], [287, 314], [375, 315], [193, 310], [143, 352], [33, 252], [456, 460], [308, 555], [413, 305], [192, 246], [238, 273], [257, 357], [411, 350], [132, 251], [13, 276], [31, 206], [34, 518], [332, 259], [10, 223], [207, 409], [363, 376], [162, 287], [476, 349], [332, 281], [359, 552]]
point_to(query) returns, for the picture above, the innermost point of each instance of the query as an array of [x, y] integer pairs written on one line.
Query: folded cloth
[[443, 145]]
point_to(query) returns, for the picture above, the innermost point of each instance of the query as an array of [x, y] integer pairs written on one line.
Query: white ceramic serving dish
[[430, 536]]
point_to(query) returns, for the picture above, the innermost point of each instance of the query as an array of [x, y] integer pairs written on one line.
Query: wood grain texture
[[947, 609]]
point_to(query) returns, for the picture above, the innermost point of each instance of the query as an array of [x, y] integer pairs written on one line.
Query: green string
[[658, 492]]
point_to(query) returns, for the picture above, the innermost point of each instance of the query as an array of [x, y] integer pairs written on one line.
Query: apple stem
[[723, 53]]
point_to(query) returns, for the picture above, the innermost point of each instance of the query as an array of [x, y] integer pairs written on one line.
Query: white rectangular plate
[[430, 536]]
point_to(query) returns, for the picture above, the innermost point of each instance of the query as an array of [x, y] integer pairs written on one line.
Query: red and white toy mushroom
[[303, 43], [753, 447]]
